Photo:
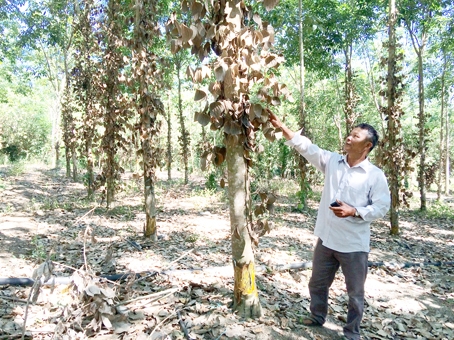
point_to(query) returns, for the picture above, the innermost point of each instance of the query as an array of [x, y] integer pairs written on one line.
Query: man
[[354, 194]]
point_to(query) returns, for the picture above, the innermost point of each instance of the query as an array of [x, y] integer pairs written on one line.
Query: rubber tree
[[342, 24], [86, 85], [113, 101], [184, 138], [394, 155], [419, 17], [302, 162], [45, 26], [146, 81], [443, 47], [234, 45]]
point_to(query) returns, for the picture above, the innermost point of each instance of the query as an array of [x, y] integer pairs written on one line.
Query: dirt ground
[[185, 285]]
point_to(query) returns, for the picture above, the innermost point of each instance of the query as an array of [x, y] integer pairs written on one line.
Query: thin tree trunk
[[442, 123], [447, 160], [393, 129], [349, 92], [422, 134], [74, 162], [67, 158], [184, 142], [245, 295], [419, 49], [90, 166], [302, 162], [148, 108], [150, 229], [169, 141]]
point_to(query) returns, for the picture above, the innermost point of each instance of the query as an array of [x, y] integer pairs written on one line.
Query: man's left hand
[[343, 210]]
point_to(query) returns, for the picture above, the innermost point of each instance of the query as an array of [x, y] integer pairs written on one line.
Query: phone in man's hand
[[335, 204]]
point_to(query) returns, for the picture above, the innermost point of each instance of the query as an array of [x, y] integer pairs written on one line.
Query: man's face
[[357, 142]]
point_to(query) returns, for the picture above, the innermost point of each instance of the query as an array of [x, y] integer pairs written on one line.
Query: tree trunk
[[184, 138], [393, 123], [422, 132], [74, 161], [442, 123], [349, 91], [447, 160], [67, 157], [148, 105], [302, 162], [245, 296], [169, 141], [150, 229], [90, 168]]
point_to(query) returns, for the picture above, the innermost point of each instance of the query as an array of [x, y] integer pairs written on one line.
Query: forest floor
[[184, 289]]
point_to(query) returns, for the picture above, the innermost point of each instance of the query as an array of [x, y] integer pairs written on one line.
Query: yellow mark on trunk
[[150, 227], [244, 280]]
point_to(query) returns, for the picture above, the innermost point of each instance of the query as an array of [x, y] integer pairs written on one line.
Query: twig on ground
[[167, 292], [183, 327], [11, 336], [12, 299], [80, 218], [188, 252], [161, 323], [35, 286]]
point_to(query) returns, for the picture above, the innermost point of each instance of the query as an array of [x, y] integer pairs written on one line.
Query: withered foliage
[[145, 81], [396, 155], [113, 100], [237, 62], [234, 47], [86, 85]]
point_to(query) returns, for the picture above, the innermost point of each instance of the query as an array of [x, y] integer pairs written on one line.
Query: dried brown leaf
[[199, 95]]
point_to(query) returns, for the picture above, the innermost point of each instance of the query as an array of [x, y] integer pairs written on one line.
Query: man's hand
[[276, 122], [343, 210]]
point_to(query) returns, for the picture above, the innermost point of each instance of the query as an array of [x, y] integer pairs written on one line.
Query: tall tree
[[146, 78], [303, 164], [87, 85], [394, 153], [442, 48], [113, 101], [242, 59], [418, 17], [44, 26], [184, 138]]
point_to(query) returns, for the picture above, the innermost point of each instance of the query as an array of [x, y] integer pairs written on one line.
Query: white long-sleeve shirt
[[363, 186]]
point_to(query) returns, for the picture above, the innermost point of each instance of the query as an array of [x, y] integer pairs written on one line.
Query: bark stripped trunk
[[245, 298]]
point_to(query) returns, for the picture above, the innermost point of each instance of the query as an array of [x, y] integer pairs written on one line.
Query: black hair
[[372, 134]]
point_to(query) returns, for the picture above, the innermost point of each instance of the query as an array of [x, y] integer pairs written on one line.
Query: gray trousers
[[354, 266]]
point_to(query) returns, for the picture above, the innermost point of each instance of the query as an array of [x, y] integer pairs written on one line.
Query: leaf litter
[[181, 286]]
